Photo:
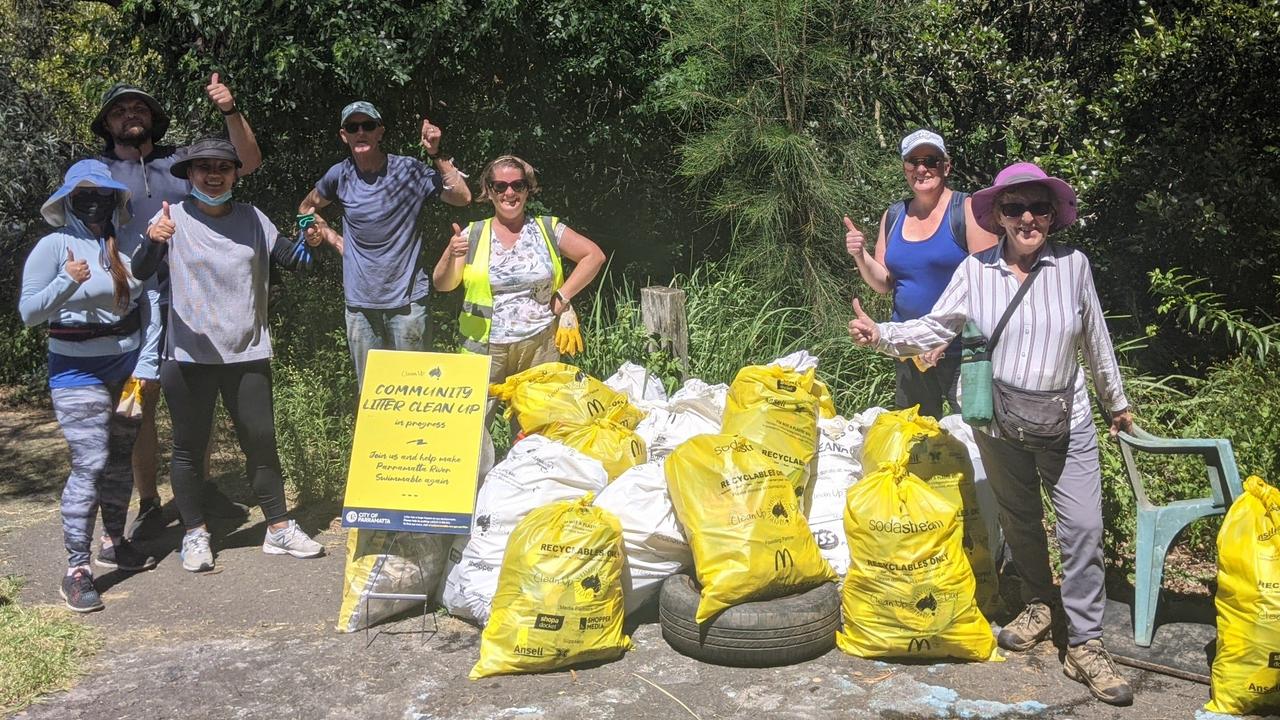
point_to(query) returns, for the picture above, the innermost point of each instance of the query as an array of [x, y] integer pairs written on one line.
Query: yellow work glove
[[130, 405], [568, 334]]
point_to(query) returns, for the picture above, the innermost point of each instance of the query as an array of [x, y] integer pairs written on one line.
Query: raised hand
[[316, 231], [77, 269], [459, 244], [862, 328], [854, 241], [162, 230], [430, 137], [220, 94]]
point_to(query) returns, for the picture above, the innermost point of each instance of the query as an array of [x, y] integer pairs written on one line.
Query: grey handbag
[[1036, 419]]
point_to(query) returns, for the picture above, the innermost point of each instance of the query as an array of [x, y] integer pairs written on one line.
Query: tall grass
[[41, 648]]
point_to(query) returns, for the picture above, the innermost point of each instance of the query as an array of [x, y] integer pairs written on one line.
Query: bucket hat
[[1019, 175], [119, 91], [86, 173], [209, 148]]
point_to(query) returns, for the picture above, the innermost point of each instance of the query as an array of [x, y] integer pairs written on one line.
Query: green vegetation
[[42, 649]]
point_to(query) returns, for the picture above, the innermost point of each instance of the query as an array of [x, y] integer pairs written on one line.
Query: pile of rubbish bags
[[757, 488]]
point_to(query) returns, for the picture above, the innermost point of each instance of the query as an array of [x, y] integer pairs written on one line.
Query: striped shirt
[[1059, 314]]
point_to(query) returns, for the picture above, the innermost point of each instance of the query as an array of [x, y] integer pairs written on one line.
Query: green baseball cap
[[363, 107]]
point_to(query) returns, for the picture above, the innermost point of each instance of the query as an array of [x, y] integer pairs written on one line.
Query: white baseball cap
[[922, 137]]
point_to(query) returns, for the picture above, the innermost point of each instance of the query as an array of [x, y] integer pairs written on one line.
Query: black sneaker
[[125, 556], [217, 504], [78, 590], [149, 523]]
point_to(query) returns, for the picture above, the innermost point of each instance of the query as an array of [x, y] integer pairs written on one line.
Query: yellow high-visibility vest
[[477, 302]]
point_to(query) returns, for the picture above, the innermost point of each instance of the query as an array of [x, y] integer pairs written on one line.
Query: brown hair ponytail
[[119, 275]]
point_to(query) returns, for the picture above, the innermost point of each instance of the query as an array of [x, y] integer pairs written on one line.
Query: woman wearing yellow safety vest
[[516, 305]]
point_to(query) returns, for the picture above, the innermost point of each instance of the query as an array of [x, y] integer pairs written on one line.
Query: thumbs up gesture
[[459, 244], [220, 94], [431, 135], [162, 229], [854, 240], [862, 328], [77, 269]]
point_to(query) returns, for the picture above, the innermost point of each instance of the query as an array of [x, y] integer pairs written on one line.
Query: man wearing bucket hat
[[76, 280], [132, 123], [1042, 432], [384, 284]]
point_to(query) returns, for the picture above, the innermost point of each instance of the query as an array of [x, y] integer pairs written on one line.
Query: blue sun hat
[[86, 173]]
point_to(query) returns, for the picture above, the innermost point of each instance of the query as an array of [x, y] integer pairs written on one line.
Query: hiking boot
[[1092, 665], [291, 540], [196, 554], [217, 504], [78, 591], [124, 556], [149, 523], [1032, 625]]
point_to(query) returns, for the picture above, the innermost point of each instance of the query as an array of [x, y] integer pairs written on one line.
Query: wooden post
[[662, 311]]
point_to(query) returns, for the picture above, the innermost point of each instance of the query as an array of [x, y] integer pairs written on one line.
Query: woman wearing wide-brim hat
[[218, 253], [1053, 312]]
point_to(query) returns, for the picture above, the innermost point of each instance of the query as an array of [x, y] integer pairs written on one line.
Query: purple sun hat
[[1025, 173]]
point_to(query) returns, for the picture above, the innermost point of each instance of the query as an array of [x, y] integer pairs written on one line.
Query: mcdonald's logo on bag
[[595, 408], [782, 560], [918, 644]]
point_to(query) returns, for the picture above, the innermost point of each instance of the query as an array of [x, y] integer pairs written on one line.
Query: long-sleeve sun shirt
[[1059, 314]]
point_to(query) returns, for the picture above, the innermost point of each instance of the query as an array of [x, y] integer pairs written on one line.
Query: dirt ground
[[256, 640]]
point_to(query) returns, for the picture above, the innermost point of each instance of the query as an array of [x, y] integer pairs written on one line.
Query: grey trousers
[[101, 444], [1073, 479]]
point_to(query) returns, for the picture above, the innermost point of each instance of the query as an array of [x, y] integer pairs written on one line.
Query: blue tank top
[[921, 270]]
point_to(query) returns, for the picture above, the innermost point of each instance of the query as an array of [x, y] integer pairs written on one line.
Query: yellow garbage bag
[[778, 408], [739, 509], [908, 592], [1246, 668], [933, 455], [617, 447], [559, 599], [556, 392], [381, 561]]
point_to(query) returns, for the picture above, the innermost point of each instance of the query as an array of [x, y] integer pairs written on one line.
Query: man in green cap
[[131, 123]]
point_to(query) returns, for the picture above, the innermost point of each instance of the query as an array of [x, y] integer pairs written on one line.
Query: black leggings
[[191, 389]]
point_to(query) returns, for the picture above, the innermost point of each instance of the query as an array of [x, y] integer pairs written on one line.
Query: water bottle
[[975, 377]]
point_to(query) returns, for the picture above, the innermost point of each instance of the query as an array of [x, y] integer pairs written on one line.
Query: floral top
[[521, 280]]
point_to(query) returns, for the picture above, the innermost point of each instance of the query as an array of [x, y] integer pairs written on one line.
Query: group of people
[[155, 275], [155, 278]]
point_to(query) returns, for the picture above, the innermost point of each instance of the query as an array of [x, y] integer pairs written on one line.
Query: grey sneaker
[[291, 541], [1032, 625], [1092, 665], [196, 554]]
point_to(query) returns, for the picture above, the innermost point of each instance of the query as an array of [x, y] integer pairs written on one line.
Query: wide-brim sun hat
[[86, 173], [210, 148], [1020, 175], [120, 91]]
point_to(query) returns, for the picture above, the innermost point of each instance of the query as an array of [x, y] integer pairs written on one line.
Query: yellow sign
[[417, 443]]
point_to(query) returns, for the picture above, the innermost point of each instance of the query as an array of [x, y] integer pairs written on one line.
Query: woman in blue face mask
[[218, 253], [77, 281]]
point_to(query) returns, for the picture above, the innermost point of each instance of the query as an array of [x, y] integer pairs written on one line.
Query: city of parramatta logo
[[351, 516]]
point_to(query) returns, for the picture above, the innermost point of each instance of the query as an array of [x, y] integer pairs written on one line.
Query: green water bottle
[[975, 377]]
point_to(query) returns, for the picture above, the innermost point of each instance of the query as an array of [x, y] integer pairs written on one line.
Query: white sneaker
[[196, 553], [290, 540]]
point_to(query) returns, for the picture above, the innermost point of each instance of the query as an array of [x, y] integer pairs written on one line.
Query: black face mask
[[92, 208]]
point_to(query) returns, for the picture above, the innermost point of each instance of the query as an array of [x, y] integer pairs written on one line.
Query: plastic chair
[[1158, 525]]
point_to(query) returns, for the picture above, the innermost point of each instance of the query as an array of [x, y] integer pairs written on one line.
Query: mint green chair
[[1159, 525]]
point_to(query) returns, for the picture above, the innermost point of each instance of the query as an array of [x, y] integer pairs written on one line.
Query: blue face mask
[[209, 200]]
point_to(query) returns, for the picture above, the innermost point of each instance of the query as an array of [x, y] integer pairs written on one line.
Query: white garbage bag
[[839, 467], [536, 471], [698, 397], [987, 506], [801, 361], [654, 544], [637, 383]]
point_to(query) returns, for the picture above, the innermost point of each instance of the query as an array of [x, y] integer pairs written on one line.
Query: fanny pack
[[79, 332], [1036, 419]]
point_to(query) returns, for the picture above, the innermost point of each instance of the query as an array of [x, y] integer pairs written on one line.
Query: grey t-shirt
[[380, 268], [218, 273]]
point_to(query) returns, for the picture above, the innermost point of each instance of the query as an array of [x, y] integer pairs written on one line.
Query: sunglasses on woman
[[1015, 210], [500, 186], [365, 125], [929, 161]]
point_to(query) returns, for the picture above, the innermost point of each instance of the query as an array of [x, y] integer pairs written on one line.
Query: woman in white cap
[[922, 239], [77, 280], [1035, 301], [218, 253]]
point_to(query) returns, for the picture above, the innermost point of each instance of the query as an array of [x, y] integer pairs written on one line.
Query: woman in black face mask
[[76, 280]]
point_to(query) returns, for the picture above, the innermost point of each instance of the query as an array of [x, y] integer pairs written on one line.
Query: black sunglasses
[[929, 161], [367, 126], [1042, 208], [500, 186]]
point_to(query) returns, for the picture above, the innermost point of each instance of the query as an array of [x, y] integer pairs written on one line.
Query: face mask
[[92, 208], [210, 200]]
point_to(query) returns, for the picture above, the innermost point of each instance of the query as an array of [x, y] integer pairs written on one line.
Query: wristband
[[232, 111]]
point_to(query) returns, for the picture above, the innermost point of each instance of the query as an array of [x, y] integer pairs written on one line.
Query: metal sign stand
[[415, 597]]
